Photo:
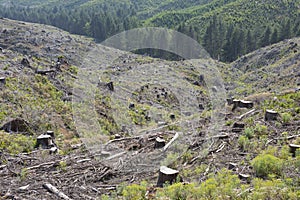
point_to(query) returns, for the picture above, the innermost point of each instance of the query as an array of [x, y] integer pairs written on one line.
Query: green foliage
[[244, 142], [178, 191], [16, 143], [135, 192], [273, 189], [266, 164], [249, 132], [286, 117], [23, 174], [261, 129], [62, 166], [227, 29]]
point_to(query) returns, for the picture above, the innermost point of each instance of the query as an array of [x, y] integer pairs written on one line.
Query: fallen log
[[54, 190], [44, 72], [171, 141]]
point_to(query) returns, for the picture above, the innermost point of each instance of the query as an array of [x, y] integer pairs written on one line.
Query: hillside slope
[[247, 158]]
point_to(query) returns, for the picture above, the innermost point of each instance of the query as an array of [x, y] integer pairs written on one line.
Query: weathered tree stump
[[232, 166], [172, 116], [245, 177], [110, 86], [230, 100], [201, 107], [2, 80], [117, 136], [271, 115], [293, 149], [159, 143], [25, 62], [131, 106], [238, 127], [242, 104], [45, 141], [51, 133], [166, 175]]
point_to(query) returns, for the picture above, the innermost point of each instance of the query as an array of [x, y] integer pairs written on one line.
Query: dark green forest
[[227, 29]]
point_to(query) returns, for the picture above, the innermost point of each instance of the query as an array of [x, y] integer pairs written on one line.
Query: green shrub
[[273, 189], [16, 143], [178, 191], [261, 129], [249, 132], [135, 192], [286, 117], [266, 164], [244, 143]]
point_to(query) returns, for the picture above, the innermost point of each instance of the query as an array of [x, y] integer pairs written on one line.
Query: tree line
[[227, 42], [224, 41]]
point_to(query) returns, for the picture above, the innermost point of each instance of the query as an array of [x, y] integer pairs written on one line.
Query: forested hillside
[[228, 29]]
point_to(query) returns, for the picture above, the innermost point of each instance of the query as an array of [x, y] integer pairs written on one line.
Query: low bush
[[16, 143], [266, 164]]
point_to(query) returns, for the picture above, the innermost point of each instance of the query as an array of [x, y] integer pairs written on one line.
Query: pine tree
[[274, 36], [265, 39]]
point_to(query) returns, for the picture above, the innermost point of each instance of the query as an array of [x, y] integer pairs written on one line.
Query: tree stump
[[166, 175], [159, 143], [238, 127], [242, 104], [230, 100], [131, 106], [2, 80], [25, 62], [110, 86], [271, 115], [45, 141], [172, 116], [244, 177], [232, 166], [51, 133], [293, 149]]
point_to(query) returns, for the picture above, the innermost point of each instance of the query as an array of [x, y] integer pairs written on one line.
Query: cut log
[[54, 190], [171, 141], [44, 72], [166, 175], [162, 124], [271, 115], [293, 149], [159, 143]]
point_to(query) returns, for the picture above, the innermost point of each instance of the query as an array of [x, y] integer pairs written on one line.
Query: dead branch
[[41, 165], [54, 190], [83, 160], [282, 138], [245, 114], [171, 141]]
